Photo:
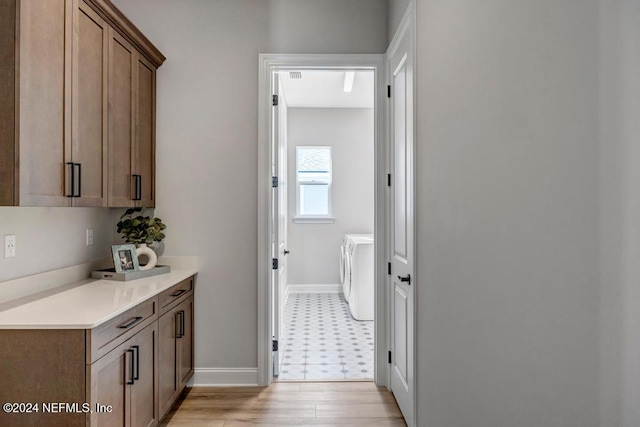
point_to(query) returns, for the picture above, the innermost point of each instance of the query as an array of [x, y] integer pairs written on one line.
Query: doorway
[[271, 309], [324, 326]]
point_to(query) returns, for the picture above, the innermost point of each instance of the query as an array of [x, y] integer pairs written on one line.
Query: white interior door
[[281, 192], [275, 223], [402, 286]]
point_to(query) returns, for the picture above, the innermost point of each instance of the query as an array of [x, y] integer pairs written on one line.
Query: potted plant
[[140, 229]]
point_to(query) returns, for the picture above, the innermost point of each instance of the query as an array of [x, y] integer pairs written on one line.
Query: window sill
[[314, 220]]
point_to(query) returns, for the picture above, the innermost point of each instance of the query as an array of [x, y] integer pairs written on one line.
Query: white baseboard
[[296, 289], [212, 377]]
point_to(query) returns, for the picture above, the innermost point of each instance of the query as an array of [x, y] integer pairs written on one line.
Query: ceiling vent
[[295, 75]]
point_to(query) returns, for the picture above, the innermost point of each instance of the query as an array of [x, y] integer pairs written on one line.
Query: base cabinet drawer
[[175, 354]]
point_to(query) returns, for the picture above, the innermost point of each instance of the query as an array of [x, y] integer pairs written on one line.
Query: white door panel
[[276, 225], [282, 215], [402, 286]]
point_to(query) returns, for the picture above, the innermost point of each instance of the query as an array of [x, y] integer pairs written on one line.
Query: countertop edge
[[181, 274]]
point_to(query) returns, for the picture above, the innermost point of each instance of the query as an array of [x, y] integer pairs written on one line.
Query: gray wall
[[619, 213], [52, 238], [507, 205], [314, 257], [397, 8], [207, 137]]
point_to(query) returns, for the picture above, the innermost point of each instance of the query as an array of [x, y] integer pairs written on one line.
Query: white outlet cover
[[9, 245], [89, 236]]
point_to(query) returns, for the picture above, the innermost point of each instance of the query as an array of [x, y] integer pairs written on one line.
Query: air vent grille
[[295, 75]]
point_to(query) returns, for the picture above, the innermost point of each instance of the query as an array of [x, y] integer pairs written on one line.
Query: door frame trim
[[273, 62]]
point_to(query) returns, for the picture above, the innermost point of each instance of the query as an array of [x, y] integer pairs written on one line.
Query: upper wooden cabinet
[[77, 121], [131, 126], [88, 168], [35, 82]]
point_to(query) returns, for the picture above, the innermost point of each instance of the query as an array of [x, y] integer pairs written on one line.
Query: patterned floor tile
[[358, 371], [292, 372], [329, 357], [325, 372], [323, 340]]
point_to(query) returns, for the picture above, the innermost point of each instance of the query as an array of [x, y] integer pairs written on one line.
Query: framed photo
[[125, 258]]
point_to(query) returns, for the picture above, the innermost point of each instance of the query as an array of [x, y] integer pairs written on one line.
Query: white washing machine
[[356, 274]]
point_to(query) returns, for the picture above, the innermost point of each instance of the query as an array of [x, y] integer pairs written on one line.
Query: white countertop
[[88, 303]]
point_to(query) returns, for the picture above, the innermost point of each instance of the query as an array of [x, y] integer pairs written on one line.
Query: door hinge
[[274, 263], [388, 180], [389, 268], [274, 181], [274, 100], [274, 345], [388, 91], [389, 358]]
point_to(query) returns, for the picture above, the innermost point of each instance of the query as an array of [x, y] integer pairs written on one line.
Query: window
[[313, 183]]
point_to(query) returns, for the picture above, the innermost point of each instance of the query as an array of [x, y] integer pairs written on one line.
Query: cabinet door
[[122, 63], [185, 342], [44, 122], [89, 106], [144, 411], [107, 381], [145, 132], [168, 384]]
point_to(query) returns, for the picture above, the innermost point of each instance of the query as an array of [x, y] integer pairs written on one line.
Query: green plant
[[140, 228]]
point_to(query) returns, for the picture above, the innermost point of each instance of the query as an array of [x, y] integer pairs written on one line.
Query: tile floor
[[322, 341]]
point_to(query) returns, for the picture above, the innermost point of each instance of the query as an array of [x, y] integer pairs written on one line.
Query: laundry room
[[327, 305]]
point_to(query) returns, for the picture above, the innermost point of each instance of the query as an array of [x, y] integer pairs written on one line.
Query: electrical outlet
[[9, 245], [89, 236]]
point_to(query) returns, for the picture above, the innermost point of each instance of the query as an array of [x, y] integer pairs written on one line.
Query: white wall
[[507, 204], [315, 248], [207, 137], [620, 213], [52, 238]]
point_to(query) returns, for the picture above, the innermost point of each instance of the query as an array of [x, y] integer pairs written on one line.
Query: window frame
[[314, 218]]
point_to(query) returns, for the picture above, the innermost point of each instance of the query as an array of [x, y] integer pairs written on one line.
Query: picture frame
[[125, 258]]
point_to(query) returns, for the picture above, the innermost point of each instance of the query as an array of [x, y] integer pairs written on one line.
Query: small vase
[[152, 258]]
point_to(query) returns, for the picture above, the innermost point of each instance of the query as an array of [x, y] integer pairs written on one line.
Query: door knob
[[286, 252], [406, 279]]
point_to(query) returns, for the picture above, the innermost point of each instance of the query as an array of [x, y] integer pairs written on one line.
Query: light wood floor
[[288, 404]]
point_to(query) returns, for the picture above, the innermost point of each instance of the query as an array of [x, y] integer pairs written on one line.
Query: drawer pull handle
[[131, 380], [130, 323], [178, 293]]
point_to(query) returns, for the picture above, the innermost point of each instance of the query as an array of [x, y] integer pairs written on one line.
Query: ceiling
[[325, 89]]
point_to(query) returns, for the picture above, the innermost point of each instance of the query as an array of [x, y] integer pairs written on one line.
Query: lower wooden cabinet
[[129, 370], [175, 353], [124, 382]]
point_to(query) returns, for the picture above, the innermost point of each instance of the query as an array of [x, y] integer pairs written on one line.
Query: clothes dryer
[[358, 285]]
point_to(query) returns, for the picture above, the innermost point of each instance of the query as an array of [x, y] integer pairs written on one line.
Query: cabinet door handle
[[72, 175], [181, 323], [139, 187], [136, 187], [131, 379], [79, 165], [136, 372], [130, 323], [178, 323], [178, 293]]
